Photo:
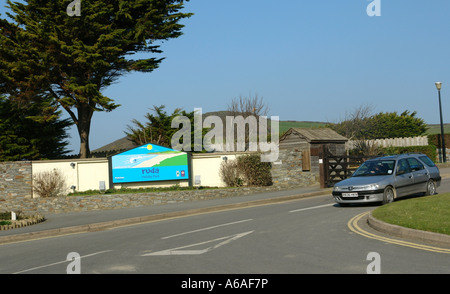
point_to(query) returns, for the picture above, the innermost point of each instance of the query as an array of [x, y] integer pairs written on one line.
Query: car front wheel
[[388, 195]]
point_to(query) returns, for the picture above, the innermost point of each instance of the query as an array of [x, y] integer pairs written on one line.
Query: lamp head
[[438, 85]]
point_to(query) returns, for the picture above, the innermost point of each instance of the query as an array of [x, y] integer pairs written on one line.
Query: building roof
[[124, 143], [315, 135]]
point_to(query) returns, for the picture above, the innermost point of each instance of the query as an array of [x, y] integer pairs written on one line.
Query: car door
[[420, 175], [404, 179]]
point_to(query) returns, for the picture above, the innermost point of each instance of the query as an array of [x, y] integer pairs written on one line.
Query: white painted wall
[[86, 174], [206, 167], [83, 174]]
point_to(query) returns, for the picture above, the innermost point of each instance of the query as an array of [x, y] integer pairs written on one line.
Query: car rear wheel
[[388, 195], [431, 188]]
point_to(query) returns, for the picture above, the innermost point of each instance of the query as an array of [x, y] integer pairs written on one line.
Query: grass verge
[[430, 213]]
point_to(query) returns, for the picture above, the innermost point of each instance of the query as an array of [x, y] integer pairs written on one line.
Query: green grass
[[429, 213], [436, 129]]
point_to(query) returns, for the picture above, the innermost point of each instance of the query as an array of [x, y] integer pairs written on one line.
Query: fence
[[392, 142]]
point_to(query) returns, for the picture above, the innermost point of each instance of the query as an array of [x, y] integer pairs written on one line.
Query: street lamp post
[[438, 86]]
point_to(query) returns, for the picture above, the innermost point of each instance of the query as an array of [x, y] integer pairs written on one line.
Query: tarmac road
[[307, 235]]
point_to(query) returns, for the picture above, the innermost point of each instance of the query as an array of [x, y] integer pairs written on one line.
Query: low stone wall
[[15, 180], [44, 206], [35, 219], [16, 190]]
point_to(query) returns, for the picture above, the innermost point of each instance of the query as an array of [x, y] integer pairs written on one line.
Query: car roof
[[397, 156]]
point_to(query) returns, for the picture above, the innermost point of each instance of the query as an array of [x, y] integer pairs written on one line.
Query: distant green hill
[[284, 125], [287, 124], [436, 129], [125, 143]]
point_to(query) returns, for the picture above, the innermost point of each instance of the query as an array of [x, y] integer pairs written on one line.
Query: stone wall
[[16, 189], [288, 169], [42, 206], [15, 180]]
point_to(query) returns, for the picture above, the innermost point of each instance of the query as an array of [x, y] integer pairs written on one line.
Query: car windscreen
[[375, 168]]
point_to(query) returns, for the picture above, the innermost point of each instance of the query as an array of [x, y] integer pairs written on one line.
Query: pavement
[[91, 221]]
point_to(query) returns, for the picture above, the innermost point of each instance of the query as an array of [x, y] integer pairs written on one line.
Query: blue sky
[[310, 60]]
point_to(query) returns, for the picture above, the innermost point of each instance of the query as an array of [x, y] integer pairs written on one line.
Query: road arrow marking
[[208, 228], [177, 251]]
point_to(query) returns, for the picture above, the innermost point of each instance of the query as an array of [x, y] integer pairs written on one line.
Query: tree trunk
[[85, 113]]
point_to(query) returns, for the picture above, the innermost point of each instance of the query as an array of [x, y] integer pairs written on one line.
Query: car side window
[[403, 167], [427, 161], [415, 164]]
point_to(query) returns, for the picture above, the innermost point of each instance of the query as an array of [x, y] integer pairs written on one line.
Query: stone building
[[299, 154]]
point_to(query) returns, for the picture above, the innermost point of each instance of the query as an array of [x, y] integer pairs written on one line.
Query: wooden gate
[[337, 168]]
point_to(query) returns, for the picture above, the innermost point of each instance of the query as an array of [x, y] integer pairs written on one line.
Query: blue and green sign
[[149, 163]]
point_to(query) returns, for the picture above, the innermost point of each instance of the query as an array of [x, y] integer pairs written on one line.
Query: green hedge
[[435, 139], [429, 150], [254, 172]]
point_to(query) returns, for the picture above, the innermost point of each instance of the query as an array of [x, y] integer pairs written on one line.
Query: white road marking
[[177, 251], [314, 207], [208, 228], [59, 262]]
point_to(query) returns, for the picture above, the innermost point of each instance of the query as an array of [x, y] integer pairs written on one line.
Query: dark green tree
[[47, 54], [363, 126], [31, 133], [158, 127], [393, 125]]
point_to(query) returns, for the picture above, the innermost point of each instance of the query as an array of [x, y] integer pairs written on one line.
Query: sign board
[[149, 163]]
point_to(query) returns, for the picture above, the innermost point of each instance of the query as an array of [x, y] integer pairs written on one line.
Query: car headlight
[[335, 188], [369, 187]]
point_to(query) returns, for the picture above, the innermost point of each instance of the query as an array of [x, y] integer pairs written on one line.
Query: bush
[[254, 172], [230, 174], [246, 170], [49, 184], [366, 148], [429, 150], [7, 215]]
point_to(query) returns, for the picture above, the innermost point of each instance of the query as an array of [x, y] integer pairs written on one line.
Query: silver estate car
[[383, 179]]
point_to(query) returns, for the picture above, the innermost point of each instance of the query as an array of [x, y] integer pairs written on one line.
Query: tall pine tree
[[34, 132], [45, 54]]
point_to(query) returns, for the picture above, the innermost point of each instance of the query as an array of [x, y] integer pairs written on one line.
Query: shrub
[[230, 174], [246, 170], [366, 148], [49, 184], [253, 171], [429, 150], [7, 215]]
